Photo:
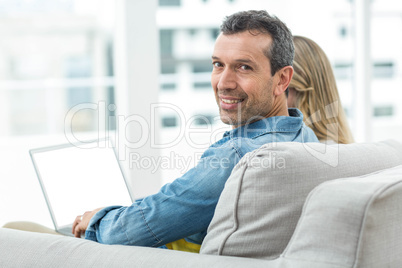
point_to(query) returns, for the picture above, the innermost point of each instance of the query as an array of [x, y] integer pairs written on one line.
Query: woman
[[313, 91]]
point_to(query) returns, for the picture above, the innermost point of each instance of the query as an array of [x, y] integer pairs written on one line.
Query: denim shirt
[[185, 207]]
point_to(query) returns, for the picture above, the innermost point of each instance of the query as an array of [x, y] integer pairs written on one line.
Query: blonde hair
[[317, 94]]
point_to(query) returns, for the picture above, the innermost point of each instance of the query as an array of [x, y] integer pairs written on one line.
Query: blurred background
[[112, 58]]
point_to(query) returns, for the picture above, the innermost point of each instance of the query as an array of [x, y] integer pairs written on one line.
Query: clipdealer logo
[[125, 145], [145, 133]]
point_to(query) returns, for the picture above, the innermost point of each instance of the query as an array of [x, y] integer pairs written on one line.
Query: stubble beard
[[234, 121], [251, 112]]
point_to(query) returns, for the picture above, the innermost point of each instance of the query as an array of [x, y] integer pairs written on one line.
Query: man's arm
[[181, 208]]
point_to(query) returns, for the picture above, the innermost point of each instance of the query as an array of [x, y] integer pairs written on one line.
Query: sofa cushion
[[36, 250], [262, 200]]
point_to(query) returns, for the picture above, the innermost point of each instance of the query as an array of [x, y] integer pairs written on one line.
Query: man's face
[[241, 77]]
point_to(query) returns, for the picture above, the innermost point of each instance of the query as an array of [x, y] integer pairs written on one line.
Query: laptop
[[76, 178]]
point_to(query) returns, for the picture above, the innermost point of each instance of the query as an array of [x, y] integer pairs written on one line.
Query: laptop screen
[[76, 179]]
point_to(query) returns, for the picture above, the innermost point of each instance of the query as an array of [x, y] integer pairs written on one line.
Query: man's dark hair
[[281, 51]]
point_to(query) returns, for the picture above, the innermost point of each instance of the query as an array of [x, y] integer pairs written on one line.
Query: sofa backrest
[[263, 198], [353, 222]]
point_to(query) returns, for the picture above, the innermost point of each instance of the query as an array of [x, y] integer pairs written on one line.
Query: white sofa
[[285, 205]]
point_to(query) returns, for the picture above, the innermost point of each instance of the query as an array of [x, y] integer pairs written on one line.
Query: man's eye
[[217, 64], [245, 67]]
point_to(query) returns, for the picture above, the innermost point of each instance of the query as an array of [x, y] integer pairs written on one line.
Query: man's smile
[[230, 103]]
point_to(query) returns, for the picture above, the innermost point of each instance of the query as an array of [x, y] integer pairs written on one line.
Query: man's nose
[[227, 80]]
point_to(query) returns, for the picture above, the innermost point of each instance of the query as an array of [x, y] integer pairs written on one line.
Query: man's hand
[[81, 222]]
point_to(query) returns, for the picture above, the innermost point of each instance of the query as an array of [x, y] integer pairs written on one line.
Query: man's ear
[[284, 76]]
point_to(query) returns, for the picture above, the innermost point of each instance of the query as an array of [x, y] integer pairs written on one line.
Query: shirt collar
[[290, 123]]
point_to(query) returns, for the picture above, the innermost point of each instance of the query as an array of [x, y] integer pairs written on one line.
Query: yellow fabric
[[184, 245]]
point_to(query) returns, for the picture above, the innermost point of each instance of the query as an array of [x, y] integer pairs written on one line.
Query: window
[[202, 66], [380, 111], [168, 3], [78, 67], [192, 32], [169, 121], [214, 33], [166, 42], [35, 6], [52, 66], [343, 32], [168, 86], [201, 120], [383, 70], [380, 70], [168, 67], [202, 85], [54, 55], [343, 70], [347, 111], [202, 74]]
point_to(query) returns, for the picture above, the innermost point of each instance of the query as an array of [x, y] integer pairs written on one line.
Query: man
[[252, 67]]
